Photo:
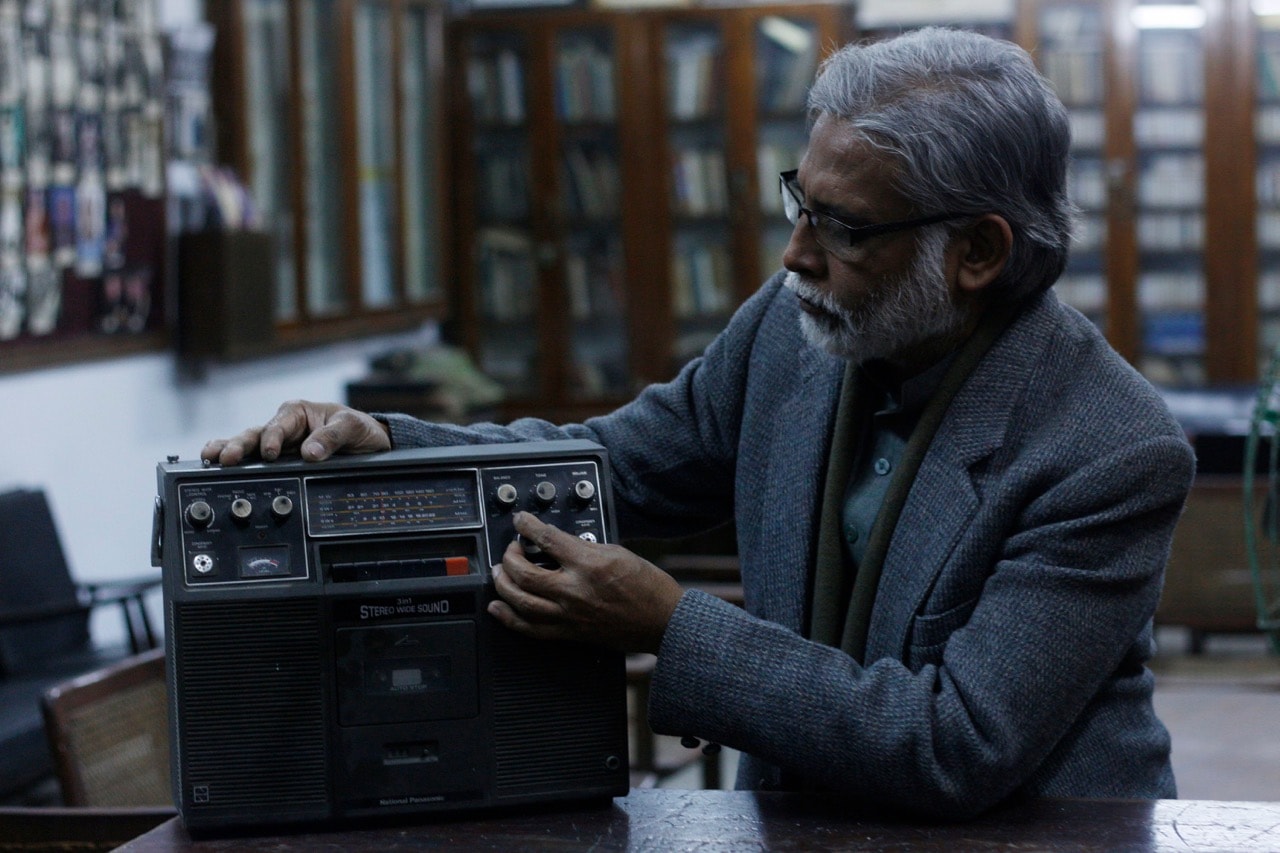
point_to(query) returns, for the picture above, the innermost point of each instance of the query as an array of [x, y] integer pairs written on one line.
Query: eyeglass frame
[[856, 233]]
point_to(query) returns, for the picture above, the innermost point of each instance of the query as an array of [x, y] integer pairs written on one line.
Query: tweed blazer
[[1007, 646]]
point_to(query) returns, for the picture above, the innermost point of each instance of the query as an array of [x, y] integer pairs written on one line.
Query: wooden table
[[665, 820]]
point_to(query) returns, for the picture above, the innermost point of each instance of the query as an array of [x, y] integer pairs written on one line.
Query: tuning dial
[[545, 492], [200, 514], [241, 510], [281, 507], [506, 495]]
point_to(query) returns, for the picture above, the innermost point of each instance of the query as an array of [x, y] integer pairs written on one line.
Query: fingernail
[[496, 569]]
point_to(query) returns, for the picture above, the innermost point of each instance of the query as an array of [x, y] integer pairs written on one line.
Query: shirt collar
[[904, 397]]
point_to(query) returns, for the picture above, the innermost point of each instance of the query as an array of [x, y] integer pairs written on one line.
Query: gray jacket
[[1007, 647]]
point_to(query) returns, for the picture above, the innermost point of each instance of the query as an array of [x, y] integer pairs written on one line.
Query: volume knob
[[281, 507]]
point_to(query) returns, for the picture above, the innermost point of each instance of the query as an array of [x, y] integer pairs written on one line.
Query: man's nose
[[803, 254]]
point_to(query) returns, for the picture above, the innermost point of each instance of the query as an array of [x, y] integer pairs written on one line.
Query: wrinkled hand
[[315, 430], [601, 594]]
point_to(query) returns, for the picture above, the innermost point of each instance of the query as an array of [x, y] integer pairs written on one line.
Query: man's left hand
[[600, 594]]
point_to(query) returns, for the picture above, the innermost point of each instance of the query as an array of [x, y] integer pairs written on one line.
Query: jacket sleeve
[[672, 449]]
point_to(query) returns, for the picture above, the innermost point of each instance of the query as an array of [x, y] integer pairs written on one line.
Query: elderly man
[[954, 502]]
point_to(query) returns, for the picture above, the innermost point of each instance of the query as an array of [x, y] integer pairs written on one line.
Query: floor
[[1222, 708]]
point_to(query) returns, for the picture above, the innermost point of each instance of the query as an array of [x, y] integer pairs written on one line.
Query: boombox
[[330, 655]]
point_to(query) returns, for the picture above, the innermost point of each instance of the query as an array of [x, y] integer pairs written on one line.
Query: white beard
[[896, 316]]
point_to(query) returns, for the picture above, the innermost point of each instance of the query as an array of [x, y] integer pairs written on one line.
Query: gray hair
[[975, 129]]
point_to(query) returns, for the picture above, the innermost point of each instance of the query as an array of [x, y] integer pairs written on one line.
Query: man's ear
[[984, 250]]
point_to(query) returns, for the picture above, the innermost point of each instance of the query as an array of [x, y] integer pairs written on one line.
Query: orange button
[[457, 566]]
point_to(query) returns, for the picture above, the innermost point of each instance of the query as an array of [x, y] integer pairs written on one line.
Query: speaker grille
[[559, 717], [250, 705]]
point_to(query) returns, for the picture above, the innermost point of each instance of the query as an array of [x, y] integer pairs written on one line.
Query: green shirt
[[896, 409]]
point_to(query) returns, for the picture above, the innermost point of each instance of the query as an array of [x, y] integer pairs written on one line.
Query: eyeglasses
[[836, 236]]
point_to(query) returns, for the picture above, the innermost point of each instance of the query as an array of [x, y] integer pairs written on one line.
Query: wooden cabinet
[[617, 191], [1209, 584], [333, 113], [1168, 175], [616, 194]]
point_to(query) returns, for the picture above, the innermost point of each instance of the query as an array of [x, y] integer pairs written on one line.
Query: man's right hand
[[315, 430]]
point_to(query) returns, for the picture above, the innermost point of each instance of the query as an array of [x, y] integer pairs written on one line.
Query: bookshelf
[[1072, 52], [617, 185], [331, 111], [1169, 134], [1162, 105]]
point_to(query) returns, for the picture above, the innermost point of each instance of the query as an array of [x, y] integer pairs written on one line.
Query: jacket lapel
[[973, 428], [785, 493]]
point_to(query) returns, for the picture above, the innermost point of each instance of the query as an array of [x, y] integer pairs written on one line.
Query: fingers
[[601, 593], [232, 451], [287, 426], [335, 429], [534, 591], [520, 606], [564, 548], [316, 430]]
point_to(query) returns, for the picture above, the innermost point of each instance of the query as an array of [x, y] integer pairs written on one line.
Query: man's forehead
[[843, 168]]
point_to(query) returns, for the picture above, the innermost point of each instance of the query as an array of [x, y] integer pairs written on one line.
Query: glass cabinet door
[[1267, 129], [1070, 52], [324, 258], [376, 154], [1168, 129], [268, 88], [505, 265], [786, 59], [585, 92], [701, 266], [421, 55]]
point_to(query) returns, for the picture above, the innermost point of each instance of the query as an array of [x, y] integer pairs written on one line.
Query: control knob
[[506, 495], [200, 514], [241, 510], [584, 491], [281, 507], [545, 492]]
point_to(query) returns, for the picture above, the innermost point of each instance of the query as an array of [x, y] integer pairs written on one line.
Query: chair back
[[34, 577], [109, 735]]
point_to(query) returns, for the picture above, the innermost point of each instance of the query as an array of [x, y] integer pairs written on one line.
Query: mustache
[[806, 290]]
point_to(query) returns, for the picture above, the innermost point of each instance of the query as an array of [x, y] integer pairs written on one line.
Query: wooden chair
[[44, 630], [109, 735]]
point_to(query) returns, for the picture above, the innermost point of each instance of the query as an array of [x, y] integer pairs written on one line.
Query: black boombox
[[330, 655]]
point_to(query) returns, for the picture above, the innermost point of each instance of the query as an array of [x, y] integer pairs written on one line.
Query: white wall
[[92, 434]]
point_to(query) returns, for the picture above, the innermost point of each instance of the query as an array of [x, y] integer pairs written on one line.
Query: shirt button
[[851, 533], [882, 466]]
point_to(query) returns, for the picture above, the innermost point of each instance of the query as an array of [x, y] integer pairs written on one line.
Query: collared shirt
[[896, 408]]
